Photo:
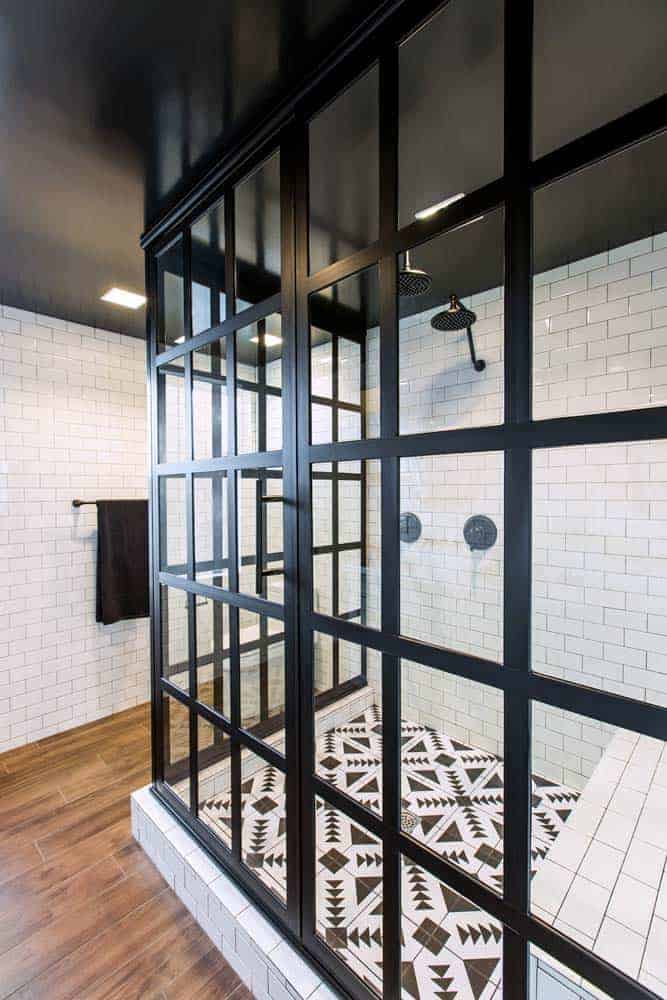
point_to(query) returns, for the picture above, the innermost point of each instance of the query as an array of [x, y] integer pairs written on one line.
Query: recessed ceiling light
[[268, 340], [121, 297], [426, 213]]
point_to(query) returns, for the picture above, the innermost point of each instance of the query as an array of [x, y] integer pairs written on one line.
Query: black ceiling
[[110, 110]]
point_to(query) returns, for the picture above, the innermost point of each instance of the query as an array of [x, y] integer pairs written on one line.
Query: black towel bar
[[84, 503]]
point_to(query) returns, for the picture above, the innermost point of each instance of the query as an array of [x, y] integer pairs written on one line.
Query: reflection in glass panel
[[550, 978], [213, 663], [207, 257], [345, 359], [348, 718], [209, 400], [600, 567], [257, 234], [259, 352], [176, 747], [173, 525], [264, 822], [598, 823], [262, 671], [450, 82], [347, 542], [170, 312], [348, 892], [213, 763], [260, 533], [343, 187], [452, 560], [449, 945], [452, 769], [174, 635], [575, 43], [449, 377], [600, 286], [172, 429], [211, 528]]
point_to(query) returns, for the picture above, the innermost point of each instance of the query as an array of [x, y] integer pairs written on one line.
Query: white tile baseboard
[[266, 962]]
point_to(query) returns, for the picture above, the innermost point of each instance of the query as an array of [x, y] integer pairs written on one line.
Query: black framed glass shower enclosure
[[351, 548]]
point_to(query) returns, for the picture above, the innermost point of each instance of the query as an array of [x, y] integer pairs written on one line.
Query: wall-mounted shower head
[[457, 317], [412, 280]]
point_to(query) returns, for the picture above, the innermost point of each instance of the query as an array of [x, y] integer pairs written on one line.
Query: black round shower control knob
[[480, 532], [410, 527]]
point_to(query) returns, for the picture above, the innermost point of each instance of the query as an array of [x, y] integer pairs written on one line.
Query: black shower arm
[[477, 364]]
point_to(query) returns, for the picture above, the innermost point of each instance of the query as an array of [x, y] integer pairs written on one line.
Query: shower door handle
[[262, 573]]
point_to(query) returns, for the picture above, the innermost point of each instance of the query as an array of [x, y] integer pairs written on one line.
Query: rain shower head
[[412, 280], [457, 317]]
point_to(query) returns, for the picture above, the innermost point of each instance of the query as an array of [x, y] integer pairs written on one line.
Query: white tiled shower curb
[[261, 957]]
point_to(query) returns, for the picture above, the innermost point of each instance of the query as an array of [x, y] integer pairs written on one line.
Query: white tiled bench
[[261, 957]]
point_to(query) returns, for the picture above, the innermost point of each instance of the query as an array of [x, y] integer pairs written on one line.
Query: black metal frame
[[516, 438]]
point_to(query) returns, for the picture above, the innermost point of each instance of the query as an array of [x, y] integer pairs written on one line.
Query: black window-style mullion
[[389, 520], [517, 576], [232, 526], [189, 525]]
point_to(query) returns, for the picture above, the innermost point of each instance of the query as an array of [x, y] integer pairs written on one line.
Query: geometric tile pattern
[[452, 801]]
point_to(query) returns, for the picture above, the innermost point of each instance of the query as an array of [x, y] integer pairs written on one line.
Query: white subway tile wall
[[73, 424]]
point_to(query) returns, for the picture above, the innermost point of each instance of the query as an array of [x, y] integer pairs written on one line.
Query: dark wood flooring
[[83, 913]]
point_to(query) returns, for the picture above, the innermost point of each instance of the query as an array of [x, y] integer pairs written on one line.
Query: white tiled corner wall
[[73, 423]]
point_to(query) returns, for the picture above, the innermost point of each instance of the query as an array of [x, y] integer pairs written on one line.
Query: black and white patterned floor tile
[[452, 800]]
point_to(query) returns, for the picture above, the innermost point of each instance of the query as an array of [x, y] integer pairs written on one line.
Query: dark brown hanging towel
[[122, 560]]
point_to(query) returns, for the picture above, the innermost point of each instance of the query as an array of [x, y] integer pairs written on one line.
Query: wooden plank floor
[[83, 913]]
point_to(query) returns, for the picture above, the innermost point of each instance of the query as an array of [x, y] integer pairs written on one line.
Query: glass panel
[[173, 526], [172, 428], [343, 187], [450, 127], [215, 798], [207, 257], [600, 286], [348, 892], [576, 48], [599, 824], [452, 769], [259, 354], [450, 947], [175, 633], [176, 747], [213, 663], [348, 718], [448, 377], [211, 528], [551, 980], [264, 822], [260, 533], [209, 400], [347, 541], [171, 314], [262, 672], [452, 552], [345, 360], [257, 228], [600, 567]]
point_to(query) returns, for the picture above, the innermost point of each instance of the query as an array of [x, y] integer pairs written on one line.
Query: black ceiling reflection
[[111, 110]]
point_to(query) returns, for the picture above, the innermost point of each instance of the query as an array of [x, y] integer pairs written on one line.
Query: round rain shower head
[[457, 317], [412, 280]]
